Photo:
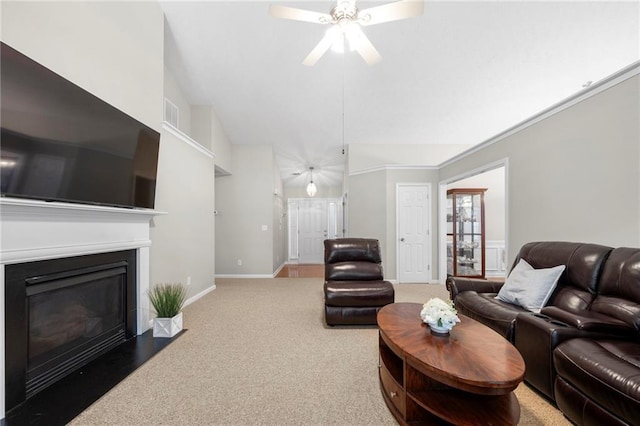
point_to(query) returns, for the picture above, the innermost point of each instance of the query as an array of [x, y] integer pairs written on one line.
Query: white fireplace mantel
[[37, 230], [32, 230]]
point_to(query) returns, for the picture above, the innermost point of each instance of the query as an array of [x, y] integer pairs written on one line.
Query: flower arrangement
[[438, 313]]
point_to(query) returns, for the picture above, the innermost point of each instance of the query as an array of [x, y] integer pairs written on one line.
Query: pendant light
[[312, 190]]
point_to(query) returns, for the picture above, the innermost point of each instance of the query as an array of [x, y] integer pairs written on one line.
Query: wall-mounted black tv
[[61, 143]]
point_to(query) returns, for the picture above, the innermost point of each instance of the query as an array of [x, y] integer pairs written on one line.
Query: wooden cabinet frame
[[466, 232]]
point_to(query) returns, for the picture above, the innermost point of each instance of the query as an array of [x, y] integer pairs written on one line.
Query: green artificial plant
[[167, 299]]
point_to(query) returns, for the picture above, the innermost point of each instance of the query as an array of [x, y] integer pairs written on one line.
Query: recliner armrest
[[590, 321], [457, 285]]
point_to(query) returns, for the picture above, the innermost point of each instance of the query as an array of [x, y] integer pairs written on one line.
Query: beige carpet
[[257, 352]]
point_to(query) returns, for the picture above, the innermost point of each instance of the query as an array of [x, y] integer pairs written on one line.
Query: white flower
[[439, 313]]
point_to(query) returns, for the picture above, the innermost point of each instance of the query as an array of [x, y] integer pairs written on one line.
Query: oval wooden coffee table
[[466, 378]]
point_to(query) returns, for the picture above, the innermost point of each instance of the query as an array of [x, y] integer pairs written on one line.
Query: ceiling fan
[[346, 21]]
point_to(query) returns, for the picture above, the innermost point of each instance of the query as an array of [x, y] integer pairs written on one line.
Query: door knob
[[402, 239]]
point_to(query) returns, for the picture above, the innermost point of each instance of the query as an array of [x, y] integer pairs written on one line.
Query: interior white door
[[413, 232], [312, 230]]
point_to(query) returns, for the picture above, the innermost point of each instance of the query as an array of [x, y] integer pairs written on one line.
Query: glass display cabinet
[[465, 232]]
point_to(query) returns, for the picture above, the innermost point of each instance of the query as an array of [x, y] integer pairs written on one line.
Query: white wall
[[111, 49], [575, 175], [207, 129], [174, 93]]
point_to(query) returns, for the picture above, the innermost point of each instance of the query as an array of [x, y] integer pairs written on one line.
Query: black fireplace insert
[[62, 313]]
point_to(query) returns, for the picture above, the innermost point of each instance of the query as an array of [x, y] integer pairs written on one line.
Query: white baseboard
[[244, 276], [275, 274], [199, 295]]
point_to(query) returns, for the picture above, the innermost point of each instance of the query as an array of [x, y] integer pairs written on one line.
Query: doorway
[[492, 176], [311, 221], [413, 231]]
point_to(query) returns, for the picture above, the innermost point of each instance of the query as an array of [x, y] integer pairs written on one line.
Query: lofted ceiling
[[459, 74]]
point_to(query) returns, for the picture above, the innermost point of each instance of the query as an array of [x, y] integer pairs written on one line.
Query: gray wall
[[367, 156], [575, 175], [494, 200], [245, 202], [372, 209], [279, 224], [183, 240], [367, 207]]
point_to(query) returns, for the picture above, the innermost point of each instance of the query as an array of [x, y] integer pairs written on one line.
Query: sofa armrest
[[457, 285], [590, 321]]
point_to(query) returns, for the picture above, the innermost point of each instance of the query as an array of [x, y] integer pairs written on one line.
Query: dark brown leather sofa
[[354, 288], [582, 350]]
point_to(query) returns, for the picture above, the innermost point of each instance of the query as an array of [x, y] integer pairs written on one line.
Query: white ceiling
[[459, 74]]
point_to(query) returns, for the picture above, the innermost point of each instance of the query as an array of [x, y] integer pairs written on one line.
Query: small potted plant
[[167, 300], [439, 315]]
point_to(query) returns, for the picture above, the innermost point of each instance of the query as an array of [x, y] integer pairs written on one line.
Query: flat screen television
[[61, 143]]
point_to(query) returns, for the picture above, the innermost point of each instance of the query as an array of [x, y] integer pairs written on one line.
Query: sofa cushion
[[349, 249], [353, 271], [577, 286], [485, 308], [619, 290], [358, 293], [528, 287], [607, 371]]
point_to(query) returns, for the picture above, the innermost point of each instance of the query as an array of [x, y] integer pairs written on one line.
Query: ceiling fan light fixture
[[346, 20]]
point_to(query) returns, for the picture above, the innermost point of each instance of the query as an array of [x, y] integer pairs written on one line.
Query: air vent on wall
[[171, 113]]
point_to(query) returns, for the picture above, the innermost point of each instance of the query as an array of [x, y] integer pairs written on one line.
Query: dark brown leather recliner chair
[[354, 288]]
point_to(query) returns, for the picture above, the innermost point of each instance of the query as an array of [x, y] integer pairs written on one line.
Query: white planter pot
[[167, 327]]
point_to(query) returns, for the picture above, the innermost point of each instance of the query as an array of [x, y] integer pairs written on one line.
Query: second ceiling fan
[[346, 21]]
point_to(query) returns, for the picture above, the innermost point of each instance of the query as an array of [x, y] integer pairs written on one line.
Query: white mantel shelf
[[39, 230], [27, 205]]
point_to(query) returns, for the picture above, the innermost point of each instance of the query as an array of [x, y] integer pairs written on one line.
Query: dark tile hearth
[[67, 398]]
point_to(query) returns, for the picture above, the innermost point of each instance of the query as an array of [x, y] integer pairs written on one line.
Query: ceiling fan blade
[[318, 51], [391, 12], [366, 49], [286, 12]]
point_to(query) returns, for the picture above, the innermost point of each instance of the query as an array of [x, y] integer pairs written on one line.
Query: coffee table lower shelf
[[443, 405]]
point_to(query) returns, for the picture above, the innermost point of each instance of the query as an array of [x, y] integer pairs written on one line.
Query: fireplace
[[63, 313], [36, 231]]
